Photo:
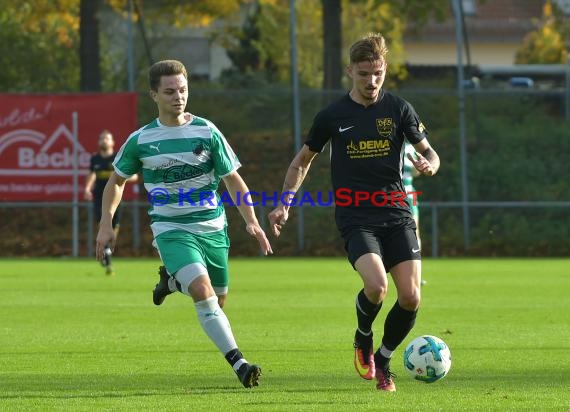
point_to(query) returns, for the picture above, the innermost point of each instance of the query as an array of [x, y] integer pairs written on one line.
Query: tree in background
[[44, 49], [351, 19], [545, 45], [89, 46], [326, 29], [39, 41], [332, 44], [248, 69], [244, 56], [47, 31]]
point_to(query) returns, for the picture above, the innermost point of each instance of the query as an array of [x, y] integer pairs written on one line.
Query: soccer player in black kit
[[367, 129]]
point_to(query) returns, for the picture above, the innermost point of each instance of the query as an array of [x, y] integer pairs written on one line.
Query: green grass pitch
[[73, 339]]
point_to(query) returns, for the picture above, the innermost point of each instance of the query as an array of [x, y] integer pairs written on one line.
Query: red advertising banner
[[36, 141]]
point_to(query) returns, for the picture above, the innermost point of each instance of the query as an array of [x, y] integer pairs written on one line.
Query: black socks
[[366, 312], [399, 322], [233, 356]]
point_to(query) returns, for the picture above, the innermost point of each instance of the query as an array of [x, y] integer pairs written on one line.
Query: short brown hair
[[369, 48], [164, 68]]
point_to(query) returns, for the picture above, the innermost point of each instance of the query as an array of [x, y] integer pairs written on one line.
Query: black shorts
[[394, 244]]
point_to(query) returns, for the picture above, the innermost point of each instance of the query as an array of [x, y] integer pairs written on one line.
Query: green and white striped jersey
[[181, 168]]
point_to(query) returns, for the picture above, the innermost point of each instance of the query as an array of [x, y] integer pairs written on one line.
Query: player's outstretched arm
[[236, 185], [112, 196], [294, 177]]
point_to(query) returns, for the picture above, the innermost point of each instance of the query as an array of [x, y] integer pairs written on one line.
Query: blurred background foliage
[[59, 33]]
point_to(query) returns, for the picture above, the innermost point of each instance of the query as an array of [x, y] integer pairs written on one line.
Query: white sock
[[172, 285], [215, 324]]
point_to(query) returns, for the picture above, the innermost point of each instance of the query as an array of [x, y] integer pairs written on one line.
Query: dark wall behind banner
[[518, 149]]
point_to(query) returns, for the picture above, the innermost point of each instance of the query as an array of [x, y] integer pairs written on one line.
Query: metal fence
[[517, 151], [304, 240]]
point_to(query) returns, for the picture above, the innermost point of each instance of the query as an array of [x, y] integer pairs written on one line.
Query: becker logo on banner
[[36, 140]]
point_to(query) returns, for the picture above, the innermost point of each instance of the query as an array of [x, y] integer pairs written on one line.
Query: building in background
[[495, 30], [204, 58]]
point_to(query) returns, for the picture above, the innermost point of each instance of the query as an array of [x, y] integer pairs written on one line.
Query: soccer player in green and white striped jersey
[[182, 158]]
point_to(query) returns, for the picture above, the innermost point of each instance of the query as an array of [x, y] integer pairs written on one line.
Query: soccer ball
[[427, 358]]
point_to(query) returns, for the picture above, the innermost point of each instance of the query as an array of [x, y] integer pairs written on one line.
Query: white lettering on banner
[[58, 188], [19, 117], [28, 158], [47, 189], [21, 188]]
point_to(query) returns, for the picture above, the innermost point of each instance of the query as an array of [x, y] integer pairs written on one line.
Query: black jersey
[[367, 149], [102, 167]]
